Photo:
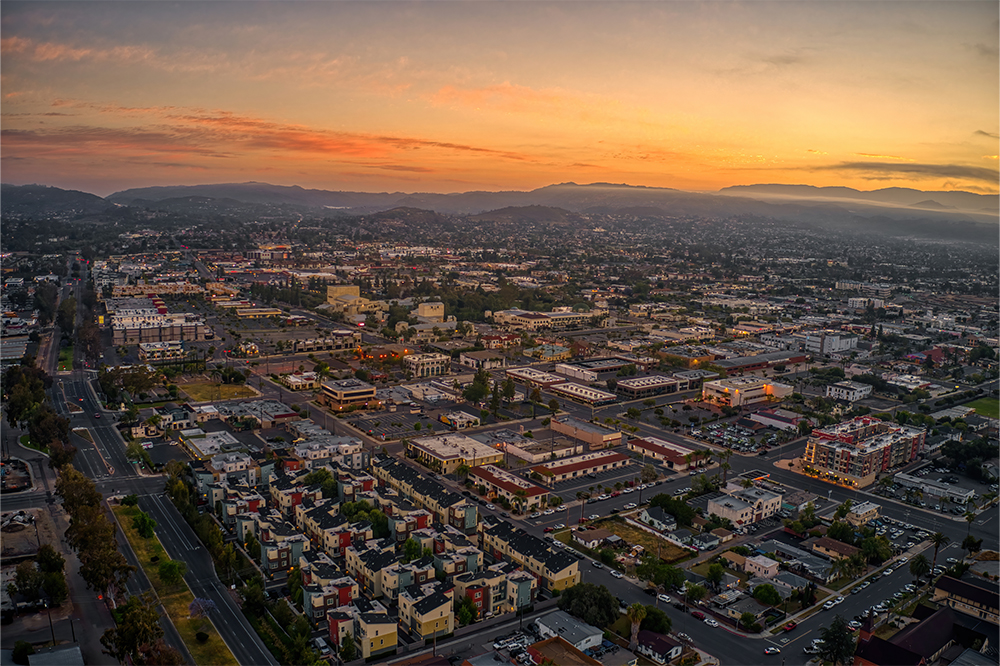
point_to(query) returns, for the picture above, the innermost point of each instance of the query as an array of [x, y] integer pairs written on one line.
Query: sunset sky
[[457, 96]]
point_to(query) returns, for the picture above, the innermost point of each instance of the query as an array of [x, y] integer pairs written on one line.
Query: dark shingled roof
[[880, 651]]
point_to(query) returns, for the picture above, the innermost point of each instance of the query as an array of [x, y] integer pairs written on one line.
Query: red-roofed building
[[672, 455], [500, 483], [579, 466]]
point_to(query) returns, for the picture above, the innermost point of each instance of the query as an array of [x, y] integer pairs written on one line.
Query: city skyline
[[451, 97]]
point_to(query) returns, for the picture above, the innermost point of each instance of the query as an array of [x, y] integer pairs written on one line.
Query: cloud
[[889, 170], [989, 135], [55, 52], [883, 157]]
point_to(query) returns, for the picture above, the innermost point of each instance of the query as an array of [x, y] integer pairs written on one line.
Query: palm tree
[[919, 566], [636, 613], [937, 540], [969, 517]]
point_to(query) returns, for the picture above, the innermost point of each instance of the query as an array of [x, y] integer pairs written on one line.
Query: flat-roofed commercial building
[[596, 436], [343, 393], [427, 365], [531, 377], [635, 388], [583, 394], [854, 452], [158, 352], [579, 466], [516, 490], [448, 451], [849, 391], [673, 456], [743, 391], [863, 513]]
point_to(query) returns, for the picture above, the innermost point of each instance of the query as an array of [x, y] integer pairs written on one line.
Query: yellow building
[[427, 613], [376, 634]]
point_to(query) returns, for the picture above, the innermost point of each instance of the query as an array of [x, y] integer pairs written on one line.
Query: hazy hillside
[[42, 201], [899, 196]]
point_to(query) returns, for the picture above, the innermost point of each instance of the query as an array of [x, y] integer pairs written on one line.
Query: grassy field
[[65, 359], [633, 535], [206, 391], [175, 598], [83, 432], [988, 407]]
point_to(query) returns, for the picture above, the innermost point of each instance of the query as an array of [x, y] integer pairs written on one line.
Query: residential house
[[658, 519], [761, 565], [577, 633], [659, 648]]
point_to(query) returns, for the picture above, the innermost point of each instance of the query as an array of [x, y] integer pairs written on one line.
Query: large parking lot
[[932, 471]]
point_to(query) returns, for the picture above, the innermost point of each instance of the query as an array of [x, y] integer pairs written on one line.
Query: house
[[658, 519], [832, 548], [722, 534], [705, 541], [555, 650], [486, 360], [734, 561], [748, 605], [658, 647], [760, 565], [863, 513], [592, 538]]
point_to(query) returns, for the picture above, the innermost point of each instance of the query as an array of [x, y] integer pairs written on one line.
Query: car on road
[[535, 515], [548, 529], [772, 650], [596, 565], [828, 605], [630, 505], [593, 516], [952, 560], [549, 512], [491, 507], [711, 622], [97, 415], [838, 600], [812, 649], [854, 624], [698, 615], [664, 598], [559, 526], [790, 626], [616, 574]]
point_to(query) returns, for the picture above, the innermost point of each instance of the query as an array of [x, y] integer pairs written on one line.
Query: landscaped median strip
[[176, 599]]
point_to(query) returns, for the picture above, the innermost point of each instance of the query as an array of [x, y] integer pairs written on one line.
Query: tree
[[843, 510], [76, 490], [50, 560], [411, 550], [648, 474], [20, 653], [171, 571], [656, 620], [347, 650], [969, 518], [747, 620], [919, 566], [838, 642], [54, 585], [714, 575], [27, 581], [636, 614], [841, 532], [972, 544], [138, 625], [144, 525], [462, 472], [937, 540], [766, 594], [694, 593], [466, 610], [593, 604]]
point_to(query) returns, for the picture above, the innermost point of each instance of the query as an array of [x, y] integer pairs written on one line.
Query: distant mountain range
[[895, 211]]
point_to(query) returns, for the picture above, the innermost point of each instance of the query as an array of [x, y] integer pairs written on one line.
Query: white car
[[616, 574], [549, 512], [535, 515], [629, 490], [828, 605], [711, 622], [664, 598], [558, 526], [631, 505], [491, 507], [838, 600], [593, 516]]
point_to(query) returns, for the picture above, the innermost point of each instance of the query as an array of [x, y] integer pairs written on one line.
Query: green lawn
[[205, 391], [175, 598], [988, 407], [65, 359]]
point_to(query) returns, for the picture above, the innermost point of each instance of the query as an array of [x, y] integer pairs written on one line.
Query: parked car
[[664, 598], [698, 615], [790, 626]]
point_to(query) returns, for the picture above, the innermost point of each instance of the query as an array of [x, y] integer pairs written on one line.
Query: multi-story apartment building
[[743, 506], [448, 508], [402, 575], [368, 624], [425, 611], [854, 452], [420, 366], [232, 468], [366, 564], [324, 588], [554, 570], [743, 391]]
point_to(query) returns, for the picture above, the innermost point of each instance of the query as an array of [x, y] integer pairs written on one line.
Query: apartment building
[[981, 601], [744, 391], [854, 452], [743, 506], [425, 611], [554, 570], [829, 342], [594, 435], [402, 575], [368, 624], [366, 564], [523, 320], [447, 507], [487, 588], [863, 513]]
